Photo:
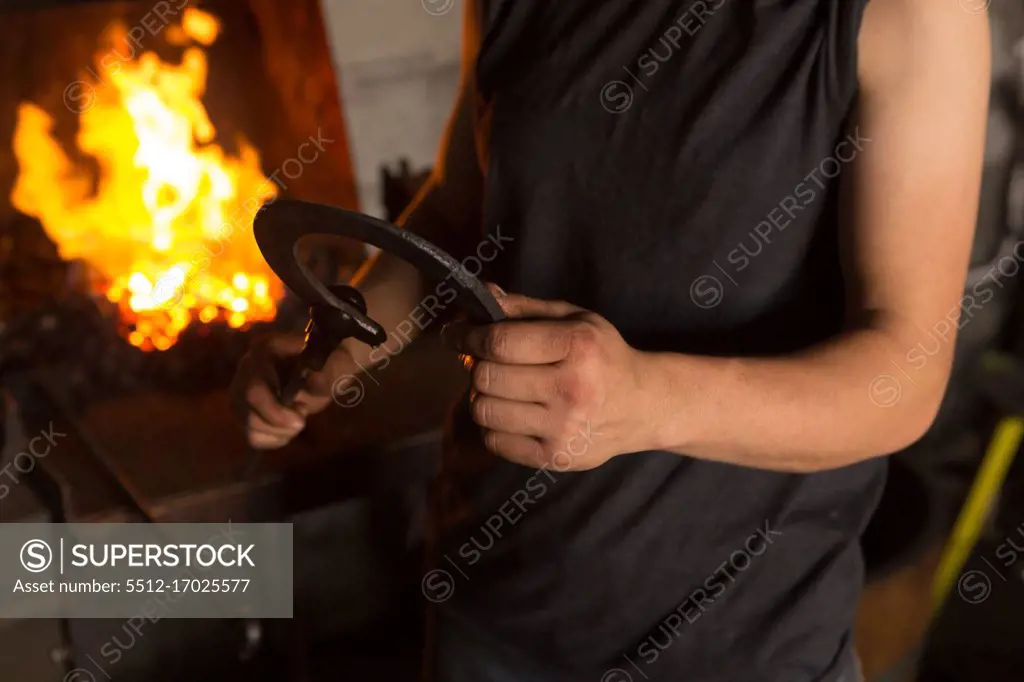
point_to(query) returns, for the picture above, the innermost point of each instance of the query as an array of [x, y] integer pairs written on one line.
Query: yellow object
[[1001, 451]]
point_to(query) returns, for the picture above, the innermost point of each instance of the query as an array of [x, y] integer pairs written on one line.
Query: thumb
[[525, 307]]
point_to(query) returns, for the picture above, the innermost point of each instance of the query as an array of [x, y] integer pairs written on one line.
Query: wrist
[[650, 409], [360, 356], [672, 385]]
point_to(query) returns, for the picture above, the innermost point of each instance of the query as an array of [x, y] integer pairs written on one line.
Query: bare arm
[[558, 386], [446, 211], [924, 75]]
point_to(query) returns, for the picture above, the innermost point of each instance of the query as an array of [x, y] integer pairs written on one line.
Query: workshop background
[[139, 130]]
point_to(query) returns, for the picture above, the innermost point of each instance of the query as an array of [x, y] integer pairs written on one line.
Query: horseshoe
[[337, 311], [279, 225]]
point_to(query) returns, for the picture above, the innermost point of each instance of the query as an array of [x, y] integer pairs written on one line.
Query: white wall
[[398, 64]]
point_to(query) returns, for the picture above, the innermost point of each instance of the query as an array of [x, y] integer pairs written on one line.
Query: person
[[731, 240]]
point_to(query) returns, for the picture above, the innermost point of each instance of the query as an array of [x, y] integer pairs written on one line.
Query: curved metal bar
[[279, 225]]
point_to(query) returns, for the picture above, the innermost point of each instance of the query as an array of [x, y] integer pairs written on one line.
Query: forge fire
[[158, 211]]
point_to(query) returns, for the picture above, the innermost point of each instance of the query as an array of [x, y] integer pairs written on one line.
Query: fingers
[[264, 436], [262, 441], [263, 402], [524, 450], [283, 345], [538, 331], [267, 422], [262, 362], [340, 366], [307, 403], [516, 342], [257, 385], [510, 416], [529, 383], [519, 306]]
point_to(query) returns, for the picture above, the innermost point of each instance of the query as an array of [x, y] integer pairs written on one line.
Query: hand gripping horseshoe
[[338, 312]]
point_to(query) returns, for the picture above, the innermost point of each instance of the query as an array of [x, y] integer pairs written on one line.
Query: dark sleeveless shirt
[[674, 167]]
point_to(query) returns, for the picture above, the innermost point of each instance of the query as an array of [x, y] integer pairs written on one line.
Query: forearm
[[394, 290], [906, 240], [447, 213], [838, 403]]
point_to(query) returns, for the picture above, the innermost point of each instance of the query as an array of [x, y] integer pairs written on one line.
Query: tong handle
[[296, 380]]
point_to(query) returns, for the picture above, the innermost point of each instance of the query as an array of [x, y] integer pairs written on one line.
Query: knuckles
[[480, 376], [251, 421], [585, 337], [491, 442], [578, 388], [319, 384], [495, 341], [253, 394], [572, 389], [481, 410]]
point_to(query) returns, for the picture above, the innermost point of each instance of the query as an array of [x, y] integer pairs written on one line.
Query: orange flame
[[167, 222]]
